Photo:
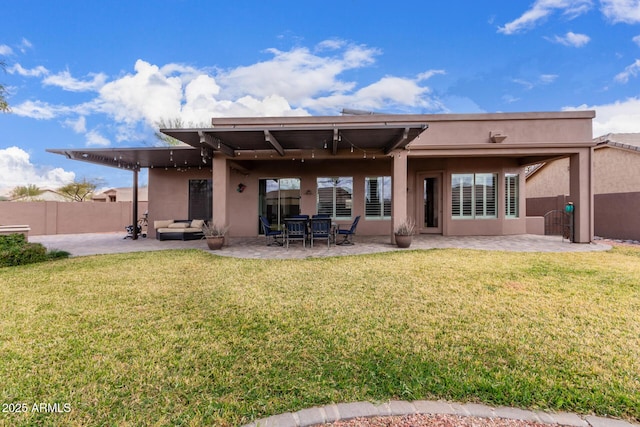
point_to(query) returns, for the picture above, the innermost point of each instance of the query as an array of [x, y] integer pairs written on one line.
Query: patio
[[109, 243]]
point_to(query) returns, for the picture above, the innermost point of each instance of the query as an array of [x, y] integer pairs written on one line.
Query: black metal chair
[[270, 233], [321, 229], [295, 229], [347, 234]]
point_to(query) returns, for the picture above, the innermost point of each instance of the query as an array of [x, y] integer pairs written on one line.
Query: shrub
[[15, 250]]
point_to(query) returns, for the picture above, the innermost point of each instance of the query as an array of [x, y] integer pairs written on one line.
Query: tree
[[176, 123], [80, 191], [4, 105], [26, 192]]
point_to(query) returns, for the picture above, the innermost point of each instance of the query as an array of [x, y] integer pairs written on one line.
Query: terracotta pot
[[215, 243], [403, 241]]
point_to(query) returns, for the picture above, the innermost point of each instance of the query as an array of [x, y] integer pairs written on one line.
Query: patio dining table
[[304, 231]]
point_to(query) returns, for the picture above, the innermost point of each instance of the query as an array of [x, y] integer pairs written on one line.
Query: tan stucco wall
[[69, 217], [169, 193], [616, 170], [552, 180]]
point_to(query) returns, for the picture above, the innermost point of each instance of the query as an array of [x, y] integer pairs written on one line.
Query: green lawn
[[187, 338]]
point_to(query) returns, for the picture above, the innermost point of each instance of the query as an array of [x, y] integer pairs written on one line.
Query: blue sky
[[103, 74]]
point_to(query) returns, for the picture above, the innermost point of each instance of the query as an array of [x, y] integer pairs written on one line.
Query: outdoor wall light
[[241, 188], [497, 137]]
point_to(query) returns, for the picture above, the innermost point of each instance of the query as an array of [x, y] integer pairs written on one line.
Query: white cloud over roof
[[617, 117], [300, 81]]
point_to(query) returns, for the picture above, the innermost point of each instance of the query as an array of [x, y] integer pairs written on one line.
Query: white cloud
[[630, 71], [296, 74], [66, 82], [543, 8], [626, 11], [149, 94], [548, 78], [16, 169], [79, 125], [34, 72], [636, 40], [618, 117], [38, 110], [428, 74], [572, 39], [297, 82], [94, 139], [5, 50], [25, 44]]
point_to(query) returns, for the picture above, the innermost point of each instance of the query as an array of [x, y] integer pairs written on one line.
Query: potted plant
[[403, 233], [214, 234]]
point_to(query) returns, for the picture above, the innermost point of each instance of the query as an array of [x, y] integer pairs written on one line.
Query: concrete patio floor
[[108, 243]]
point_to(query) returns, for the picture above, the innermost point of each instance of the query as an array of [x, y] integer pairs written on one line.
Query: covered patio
[[455, 174]]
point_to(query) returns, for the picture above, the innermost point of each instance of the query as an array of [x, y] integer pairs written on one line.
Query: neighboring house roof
[[628, 141], [47, 195], [122, 194]]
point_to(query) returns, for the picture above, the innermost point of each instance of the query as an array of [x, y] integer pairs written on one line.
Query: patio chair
[[300, 216], [321, 229], [347, 234], [295, 229], [269, 233]]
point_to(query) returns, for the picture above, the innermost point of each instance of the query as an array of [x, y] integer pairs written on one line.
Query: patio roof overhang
[[135, 159], [288, 135], [273, 136]]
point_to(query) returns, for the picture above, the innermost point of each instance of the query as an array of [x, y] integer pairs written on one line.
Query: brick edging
[[344, 411]]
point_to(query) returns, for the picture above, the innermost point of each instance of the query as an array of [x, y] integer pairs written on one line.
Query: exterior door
[[430, 215], [279, 198]]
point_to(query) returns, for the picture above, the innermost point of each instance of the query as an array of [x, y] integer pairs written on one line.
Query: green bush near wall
[[15, 250]]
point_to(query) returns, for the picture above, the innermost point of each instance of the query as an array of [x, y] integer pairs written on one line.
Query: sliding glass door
[[279, 198]]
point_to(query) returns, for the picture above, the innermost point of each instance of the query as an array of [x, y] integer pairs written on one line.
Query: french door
[[278, 198], [430, 209]]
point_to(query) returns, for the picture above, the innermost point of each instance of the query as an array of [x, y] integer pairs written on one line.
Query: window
[[377, 198], [335, 196], [511, 196], [473, 195], [200, 199]]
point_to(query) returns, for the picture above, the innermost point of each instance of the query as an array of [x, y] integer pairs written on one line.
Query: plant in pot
[[403, 233], [214, 234]]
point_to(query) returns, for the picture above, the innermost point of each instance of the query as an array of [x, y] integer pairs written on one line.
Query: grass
[[187, 338]]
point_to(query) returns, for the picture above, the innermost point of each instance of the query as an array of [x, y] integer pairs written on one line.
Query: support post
[[399, 190], [581, 194], [134, 206], [220, 179]]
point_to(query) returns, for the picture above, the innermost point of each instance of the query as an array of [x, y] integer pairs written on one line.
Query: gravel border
[[367, 414]]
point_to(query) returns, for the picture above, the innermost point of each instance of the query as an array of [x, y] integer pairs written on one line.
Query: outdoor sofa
[[179, 229]]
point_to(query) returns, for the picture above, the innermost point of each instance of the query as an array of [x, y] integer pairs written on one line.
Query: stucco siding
[[616, 170], [550, 181]]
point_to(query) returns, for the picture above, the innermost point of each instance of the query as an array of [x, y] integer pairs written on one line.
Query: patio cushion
[[162, 223], [179, 225], [197, 223]]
